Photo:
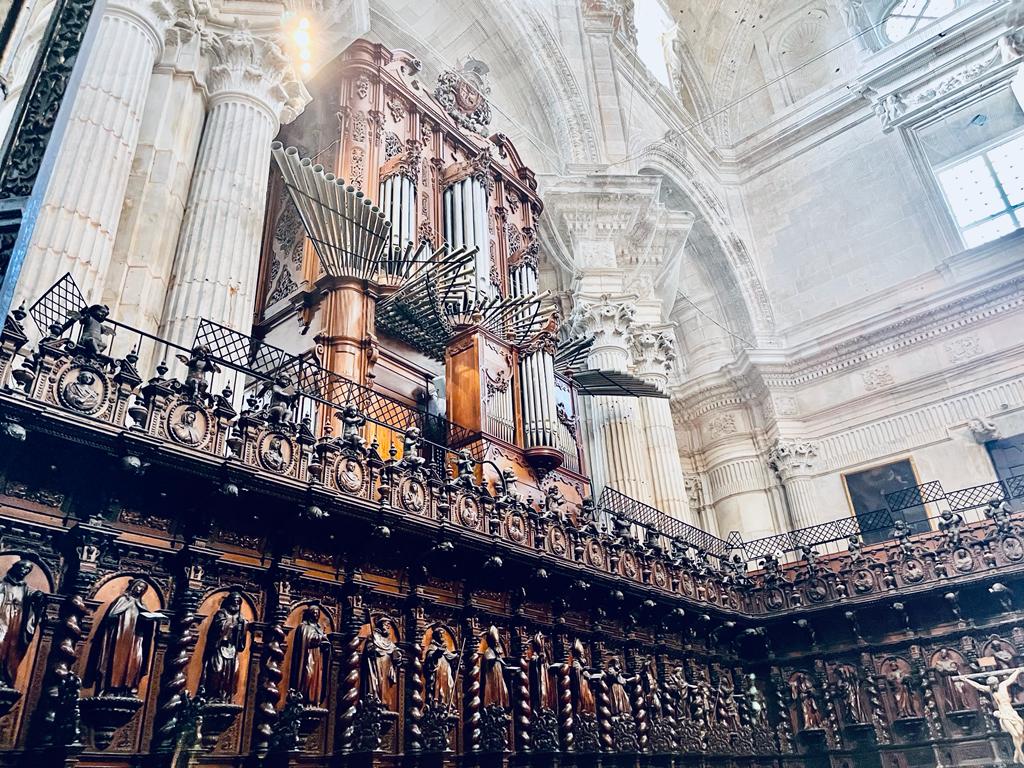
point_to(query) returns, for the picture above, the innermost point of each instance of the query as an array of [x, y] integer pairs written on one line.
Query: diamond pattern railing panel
[[618, 503], [55, 307], [926, 493], [978, 496]]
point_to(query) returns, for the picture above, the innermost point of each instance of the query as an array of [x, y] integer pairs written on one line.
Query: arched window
[[907, 16]]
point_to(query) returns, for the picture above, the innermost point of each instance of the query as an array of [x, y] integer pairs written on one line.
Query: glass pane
[[1008, 162], [987, 231], [971, 191]]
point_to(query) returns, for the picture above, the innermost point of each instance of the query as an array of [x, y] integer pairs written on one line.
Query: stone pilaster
[[252, 91], [78, 219], [793, 461], [618, 456], [653, 356]]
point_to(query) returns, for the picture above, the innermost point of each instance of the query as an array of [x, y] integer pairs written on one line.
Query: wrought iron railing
[[648, 517]]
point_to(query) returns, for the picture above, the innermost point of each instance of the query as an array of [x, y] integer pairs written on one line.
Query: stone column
[[252, 90], [793, 461], [653, 356], [78, 219], [618, 456], [147, 234]]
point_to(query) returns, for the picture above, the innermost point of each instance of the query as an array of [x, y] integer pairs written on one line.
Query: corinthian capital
[[246, 66], [608, 318], [653, 352], [790, 458]]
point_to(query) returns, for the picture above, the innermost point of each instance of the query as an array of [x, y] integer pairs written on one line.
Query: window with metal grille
[[907, 16], [985, 191]]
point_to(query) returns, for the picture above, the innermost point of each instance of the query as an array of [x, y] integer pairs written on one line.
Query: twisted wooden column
[[173, 693], [522, 711], [640, 713], [414, 679], [348, 695], [56, 724], [268, 695], [471, 690]]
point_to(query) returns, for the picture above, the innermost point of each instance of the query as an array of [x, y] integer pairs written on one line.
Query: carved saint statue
[[225, 639], [901, 686], [727, 712], [123, 644], [311, 657], [439, 661], [542, 694], [849, 687], [756, 702], [954, 689], [617, 682], [801, 689], [20, 606], [381, 659], [1009, 720], [492, 670], [579, 680]]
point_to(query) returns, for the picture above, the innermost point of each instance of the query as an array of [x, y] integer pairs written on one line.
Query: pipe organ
[[452, 292]]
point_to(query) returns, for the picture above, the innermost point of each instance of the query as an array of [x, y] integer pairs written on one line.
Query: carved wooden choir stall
[[263, 557]]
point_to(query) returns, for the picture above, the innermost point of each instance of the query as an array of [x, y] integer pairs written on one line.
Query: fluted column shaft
[[218, 252], [78, 219], [801, 498], [666, 468]]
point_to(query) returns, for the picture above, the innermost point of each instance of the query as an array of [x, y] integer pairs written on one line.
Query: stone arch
[[670, 161]]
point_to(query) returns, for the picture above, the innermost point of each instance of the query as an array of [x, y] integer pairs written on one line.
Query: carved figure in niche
[[848, 684], [92, 319], [199, 363], [1003, 654], [492, 670], [225, 639], [756, 703], [123, 644], [542, 695], [617, 682], [381, 659], [81, 392], [901, 683], [950, 524], [185, 428], [677, 684], [311, 658], [283, 397], [579, 680], [20, 608], [438, 669], [726, 711], [954, 690], [649, 680], [801, 689], [1009, 720], [273, 454]]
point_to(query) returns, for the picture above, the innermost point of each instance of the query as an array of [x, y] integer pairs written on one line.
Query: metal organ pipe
[[537, 376], [398, 199], [465, 222]]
